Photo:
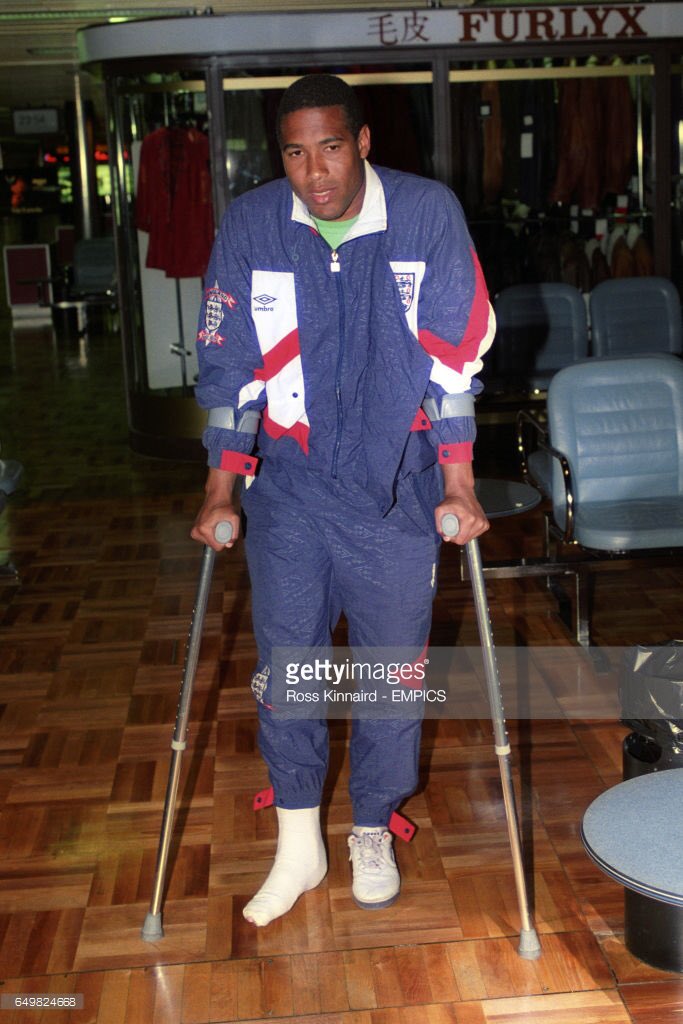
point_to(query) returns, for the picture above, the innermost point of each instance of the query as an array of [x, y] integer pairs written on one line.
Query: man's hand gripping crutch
[[218, 507]]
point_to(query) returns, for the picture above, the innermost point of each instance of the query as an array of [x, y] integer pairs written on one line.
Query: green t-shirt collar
[[334, 231]]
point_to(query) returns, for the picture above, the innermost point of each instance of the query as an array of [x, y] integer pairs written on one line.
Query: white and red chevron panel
[[273, 308]]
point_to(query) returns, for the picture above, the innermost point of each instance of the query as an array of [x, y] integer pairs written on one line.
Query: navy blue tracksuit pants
[[312, 555]]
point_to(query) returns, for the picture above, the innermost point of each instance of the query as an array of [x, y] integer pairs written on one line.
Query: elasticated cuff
[[238, 462], [459, 452]]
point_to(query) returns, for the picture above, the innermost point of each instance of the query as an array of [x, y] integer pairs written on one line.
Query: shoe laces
[[368, 851]]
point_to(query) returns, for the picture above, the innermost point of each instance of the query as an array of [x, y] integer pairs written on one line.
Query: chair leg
[[556, 588], [546, 536], [583, 606], [563, 599], [549, 552]]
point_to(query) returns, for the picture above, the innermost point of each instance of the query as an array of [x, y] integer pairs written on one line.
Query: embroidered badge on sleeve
[[216, 301]]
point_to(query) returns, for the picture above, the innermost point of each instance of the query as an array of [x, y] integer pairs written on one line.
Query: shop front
[[558, 128]]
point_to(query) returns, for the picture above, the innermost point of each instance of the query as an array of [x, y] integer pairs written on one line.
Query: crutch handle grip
[[223, 532], [450, 525]]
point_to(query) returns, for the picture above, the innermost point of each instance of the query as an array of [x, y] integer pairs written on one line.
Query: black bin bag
[[651, 700]]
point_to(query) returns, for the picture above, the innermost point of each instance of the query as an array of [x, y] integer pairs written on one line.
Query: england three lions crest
[[405, 282], [216, 300]]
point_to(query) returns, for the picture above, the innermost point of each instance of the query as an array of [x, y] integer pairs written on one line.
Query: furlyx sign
[[525, 24]]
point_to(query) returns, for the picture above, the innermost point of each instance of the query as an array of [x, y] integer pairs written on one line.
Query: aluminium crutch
[[152, 929], [529, 946]]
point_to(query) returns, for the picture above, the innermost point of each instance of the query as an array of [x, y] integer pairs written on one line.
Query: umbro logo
[[264, 302]]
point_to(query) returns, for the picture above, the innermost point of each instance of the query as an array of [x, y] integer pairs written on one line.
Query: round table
[[634, 833], [501, 498], [505, 497]]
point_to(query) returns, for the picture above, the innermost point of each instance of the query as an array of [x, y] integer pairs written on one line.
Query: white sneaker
[[376, 881]]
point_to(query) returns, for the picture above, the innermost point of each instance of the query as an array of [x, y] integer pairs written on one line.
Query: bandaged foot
[[300, 865]]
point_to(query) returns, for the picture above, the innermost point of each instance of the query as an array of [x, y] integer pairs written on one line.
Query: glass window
[[164, 160], [552, 162]]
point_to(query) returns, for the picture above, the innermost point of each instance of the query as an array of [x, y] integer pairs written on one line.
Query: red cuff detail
[[401, 827], [461, 452], [421, 421], [416, 681], [266, 798], [238, 462]]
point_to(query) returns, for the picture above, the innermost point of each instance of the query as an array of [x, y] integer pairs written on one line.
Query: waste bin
[[651, 699]]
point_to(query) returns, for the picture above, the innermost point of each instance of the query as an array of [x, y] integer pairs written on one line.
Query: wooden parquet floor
[[92, 644]]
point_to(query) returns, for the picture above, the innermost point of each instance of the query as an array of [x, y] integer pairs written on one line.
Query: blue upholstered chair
[[91, 283], [540, 329], [616, 431], [94, 269], [635, 315]]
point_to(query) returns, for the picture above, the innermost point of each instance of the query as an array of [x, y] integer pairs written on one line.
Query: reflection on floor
[[91, 657]]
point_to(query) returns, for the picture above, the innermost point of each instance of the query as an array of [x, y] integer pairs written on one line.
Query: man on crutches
[[344, 320]]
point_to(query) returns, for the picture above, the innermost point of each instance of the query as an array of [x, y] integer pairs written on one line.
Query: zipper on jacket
[[336, 268]]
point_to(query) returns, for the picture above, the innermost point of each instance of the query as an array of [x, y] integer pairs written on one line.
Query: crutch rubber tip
[[151, 929], [529, 947]]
